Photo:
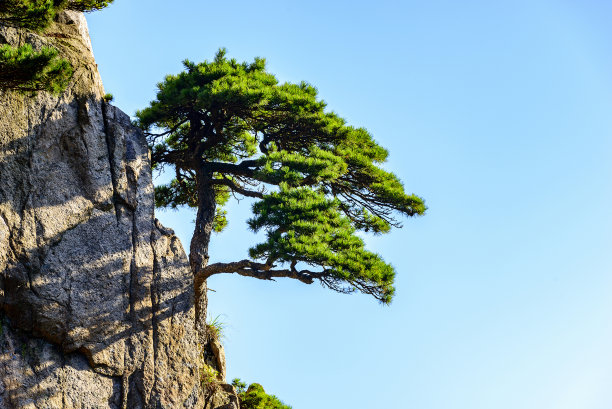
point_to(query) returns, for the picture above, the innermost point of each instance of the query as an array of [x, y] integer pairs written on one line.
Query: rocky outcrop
[[96, 297]]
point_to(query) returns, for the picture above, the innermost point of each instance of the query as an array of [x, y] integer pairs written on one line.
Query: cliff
[[96, 297]]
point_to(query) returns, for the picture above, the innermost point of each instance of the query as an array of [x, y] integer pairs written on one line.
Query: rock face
[[96, 297]]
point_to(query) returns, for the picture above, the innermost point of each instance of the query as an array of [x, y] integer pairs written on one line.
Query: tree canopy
[[229, 128], [25, 69]]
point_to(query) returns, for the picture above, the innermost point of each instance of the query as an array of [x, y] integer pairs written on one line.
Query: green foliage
[[304, 225], [182, 192], [108, 97], [88, 5], [209, 379], [31, 14], [215, 328], [236, 129], [38, 14], [256, 398], [23, 69], [239, 385]]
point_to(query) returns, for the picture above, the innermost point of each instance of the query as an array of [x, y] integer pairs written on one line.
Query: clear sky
[[499, 114]]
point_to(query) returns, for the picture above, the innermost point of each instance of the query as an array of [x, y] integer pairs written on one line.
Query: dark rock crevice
[[111, 156]]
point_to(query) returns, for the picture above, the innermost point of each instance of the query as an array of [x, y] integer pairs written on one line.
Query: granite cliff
[[97, 302]]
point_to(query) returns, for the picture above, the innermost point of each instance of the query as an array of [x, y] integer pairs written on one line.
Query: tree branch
[[244, 168], [261, 271], [245, 192], [166, 133]]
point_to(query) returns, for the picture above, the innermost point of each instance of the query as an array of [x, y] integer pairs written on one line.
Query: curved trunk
[[198, 252]]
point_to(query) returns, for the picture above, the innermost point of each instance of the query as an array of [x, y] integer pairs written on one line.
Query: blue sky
[[499, 114]]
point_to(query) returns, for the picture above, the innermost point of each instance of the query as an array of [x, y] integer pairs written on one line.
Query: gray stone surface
[[96, 297], [36, 374]]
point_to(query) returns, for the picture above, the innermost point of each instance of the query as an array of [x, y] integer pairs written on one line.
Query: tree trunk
[[198, 252]]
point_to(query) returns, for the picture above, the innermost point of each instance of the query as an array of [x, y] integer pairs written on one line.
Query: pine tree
[[24, 69], [231, 129]]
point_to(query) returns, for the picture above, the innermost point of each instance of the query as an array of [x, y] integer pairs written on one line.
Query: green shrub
[[209, 379], [255, 397], [215, 328]]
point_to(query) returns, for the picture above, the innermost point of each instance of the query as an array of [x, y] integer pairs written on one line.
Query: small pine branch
[[26, 70], [88, 5]]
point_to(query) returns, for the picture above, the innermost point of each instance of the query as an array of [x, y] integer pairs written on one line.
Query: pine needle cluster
[[23, 69]]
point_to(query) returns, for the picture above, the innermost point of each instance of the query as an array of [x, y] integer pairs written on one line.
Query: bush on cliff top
[[24, 69]]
